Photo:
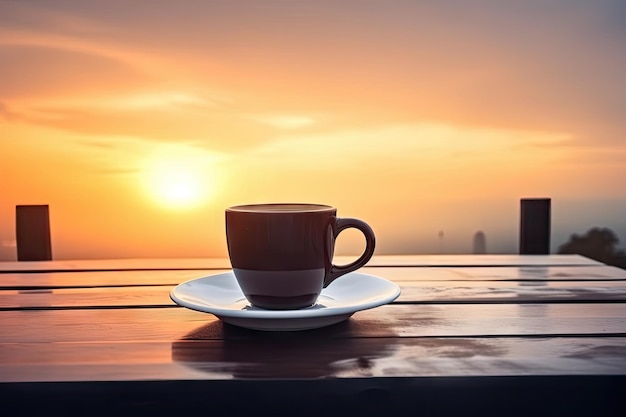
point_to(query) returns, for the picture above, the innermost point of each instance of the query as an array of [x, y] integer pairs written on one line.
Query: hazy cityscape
[[500, 235]]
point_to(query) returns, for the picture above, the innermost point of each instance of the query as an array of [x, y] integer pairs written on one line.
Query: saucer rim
[[392, 292]]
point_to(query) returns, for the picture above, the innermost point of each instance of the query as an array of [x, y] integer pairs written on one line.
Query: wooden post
[[32, 232], [534, 236]]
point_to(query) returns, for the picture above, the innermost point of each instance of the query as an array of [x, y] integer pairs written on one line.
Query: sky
[[139, 122]]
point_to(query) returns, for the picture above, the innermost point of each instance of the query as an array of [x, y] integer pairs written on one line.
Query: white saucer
[[220, 295]]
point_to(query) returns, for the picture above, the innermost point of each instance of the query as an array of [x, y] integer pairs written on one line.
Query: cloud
[[137, 100], [285, 121], [163, 121], [6, 114], [61, 53], [119, 171], [42, 72], [553, 66], [157, 100], [43, 15], [112, 49], [418, 145], [600, 157]]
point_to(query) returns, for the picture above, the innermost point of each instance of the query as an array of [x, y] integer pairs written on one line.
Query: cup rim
[[271, 208]]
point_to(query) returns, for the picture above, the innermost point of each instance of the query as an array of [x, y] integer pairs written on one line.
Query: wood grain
[[85, 279], [419, 292], [224, 263], [311, 357], [514, 335], [167, 324]]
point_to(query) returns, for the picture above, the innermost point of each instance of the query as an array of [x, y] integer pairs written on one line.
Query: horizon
[[138, 124], [502, 236]]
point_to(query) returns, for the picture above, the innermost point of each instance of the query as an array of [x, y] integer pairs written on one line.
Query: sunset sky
[[140, 122]]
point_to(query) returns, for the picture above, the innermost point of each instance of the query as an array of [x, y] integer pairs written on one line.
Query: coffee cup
[[282, 253]]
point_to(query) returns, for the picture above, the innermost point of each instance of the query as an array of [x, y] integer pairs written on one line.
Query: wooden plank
[[101, 279], [460, 260], [87, 279], [224, 263], [412, 292], [512, 292], [498, 273], [146, 264], [166, 324], [311, 357]]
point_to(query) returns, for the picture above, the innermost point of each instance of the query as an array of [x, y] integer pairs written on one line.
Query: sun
[[176, 184], [180, 177]]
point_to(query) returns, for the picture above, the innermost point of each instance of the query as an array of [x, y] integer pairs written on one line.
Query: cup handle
[[370, 242]]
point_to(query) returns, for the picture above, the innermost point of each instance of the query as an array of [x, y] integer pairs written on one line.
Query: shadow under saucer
[[243, 353]]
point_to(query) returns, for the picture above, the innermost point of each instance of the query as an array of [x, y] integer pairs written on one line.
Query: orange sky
[[140, 123]]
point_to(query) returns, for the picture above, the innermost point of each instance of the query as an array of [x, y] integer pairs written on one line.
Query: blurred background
[[139, 122]]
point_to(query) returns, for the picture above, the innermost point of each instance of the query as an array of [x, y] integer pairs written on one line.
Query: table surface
[[543, 332]]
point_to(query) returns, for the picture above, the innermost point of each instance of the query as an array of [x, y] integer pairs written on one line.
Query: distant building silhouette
[[480, 243], [440, 234]]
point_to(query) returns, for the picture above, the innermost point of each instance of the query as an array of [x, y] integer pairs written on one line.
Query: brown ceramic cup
[[282, 254]]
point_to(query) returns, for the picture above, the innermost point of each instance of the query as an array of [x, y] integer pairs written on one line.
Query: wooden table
[[470, 334]]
